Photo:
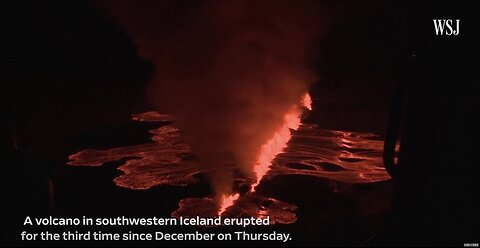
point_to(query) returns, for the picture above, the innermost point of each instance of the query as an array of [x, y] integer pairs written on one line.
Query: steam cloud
[[227, 70]]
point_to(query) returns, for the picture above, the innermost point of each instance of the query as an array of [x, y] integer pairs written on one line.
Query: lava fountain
[[271, 149], [278, 142]]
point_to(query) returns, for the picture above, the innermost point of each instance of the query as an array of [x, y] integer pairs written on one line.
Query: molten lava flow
[[275, 145], [227, 201], [279, 141], [272, 148], [343, 157]]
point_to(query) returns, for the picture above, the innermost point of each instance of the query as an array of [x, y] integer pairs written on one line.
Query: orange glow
[[307, 101], [278, 142], [273, 147], [227, 201], [342, 156]]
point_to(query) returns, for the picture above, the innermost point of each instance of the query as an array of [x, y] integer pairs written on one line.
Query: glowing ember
[[227, 201], [307, 101]]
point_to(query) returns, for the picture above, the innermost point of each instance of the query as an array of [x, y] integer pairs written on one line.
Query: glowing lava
[[273, 147], [307, 101], [268, 152], [342, 157], [227, 201], [278, 142]]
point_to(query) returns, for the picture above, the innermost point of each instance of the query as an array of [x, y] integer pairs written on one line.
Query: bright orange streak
[[227, 201], [278, 142], [273, 147], [307, 101]]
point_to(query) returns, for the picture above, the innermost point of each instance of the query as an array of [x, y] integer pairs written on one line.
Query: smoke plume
[[228, 71]]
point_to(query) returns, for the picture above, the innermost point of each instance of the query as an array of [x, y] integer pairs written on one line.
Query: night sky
[[71, 77]]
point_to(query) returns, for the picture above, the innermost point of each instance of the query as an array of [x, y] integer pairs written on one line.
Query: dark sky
[[66, 66], [67, 69]]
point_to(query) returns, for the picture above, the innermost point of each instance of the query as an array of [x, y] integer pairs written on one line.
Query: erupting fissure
[[271, 148], [231, 73], [227, 201], [338, 156]]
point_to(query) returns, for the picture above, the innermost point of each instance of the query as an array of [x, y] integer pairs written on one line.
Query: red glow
[[341, 156], [307, 101], [278, 142], [273, 147], [268, 152], [227, 201]]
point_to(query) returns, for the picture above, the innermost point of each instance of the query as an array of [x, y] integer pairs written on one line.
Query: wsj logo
[[445, 26]]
